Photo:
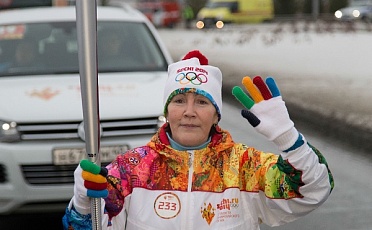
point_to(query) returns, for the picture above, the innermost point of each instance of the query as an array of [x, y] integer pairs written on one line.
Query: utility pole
[[315, 9]]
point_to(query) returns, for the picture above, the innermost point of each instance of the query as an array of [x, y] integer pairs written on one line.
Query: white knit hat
[[193, 74]]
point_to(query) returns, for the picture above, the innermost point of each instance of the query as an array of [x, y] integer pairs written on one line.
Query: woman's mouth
[[189, 125]]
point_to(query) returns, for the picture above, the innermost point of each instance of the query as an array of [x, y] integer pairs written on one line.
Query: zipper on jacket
[[187, 221], [191, 170]]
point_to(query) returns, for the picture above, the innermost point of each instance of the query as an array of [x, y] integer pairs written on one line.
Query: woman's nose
[[189, 108]]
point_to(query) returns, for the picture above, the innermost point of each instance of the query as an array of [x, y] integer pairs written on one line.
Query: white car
[[40, 103], [355, 11]]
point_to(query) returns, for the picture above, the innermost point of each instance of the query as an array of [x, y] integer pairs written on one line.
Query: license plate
[[70, 156]]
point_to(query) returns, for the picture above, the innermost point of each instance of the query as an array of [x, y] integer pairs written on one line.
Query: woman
[[192, 175]]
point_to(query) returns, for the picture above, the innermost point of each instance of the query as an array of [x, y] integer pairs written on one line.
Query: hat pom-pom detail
[[196, 54]]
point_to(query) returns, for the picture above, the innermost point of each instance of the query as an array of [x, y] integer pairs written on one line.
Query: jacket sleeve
[[290, 185], [113, 212], [73, 220]]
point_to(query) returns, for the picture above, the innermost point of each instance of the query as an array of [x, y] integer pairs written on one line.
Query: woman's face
[[190, 118]]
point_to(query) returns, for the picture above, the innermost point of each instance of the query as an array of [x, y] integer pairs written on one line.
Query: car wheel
[[366, 19]]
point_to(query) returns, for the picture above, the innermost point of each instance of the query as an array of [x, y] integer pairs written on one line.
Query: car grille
[[3, 175], [48, 174], [68, 130]]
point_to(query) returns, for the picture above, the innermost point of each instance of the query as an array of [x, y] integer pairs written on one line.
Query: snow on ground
[[322, 68]]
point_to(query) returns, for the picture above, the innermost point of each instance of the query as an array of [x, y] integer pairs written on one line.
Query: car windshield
[[361, 3], [213, 5], [51, 48]]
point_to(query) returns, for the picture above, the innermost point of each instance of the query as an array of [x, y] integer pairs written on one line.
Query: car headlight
[[219, 24], [200, 25], [338, 14], [356, 13], [9, 132]]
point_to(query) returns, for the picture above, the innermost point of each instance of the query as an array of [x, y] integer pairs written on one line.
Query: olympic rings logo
[[192, 77]]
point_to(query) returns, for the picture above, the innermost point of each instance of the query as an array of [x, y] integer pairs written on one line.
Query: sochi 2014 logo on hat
[[191, 77]]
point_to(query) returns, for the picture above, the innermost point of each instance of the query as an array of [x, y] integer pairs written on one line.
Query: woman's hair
[[214, 130]]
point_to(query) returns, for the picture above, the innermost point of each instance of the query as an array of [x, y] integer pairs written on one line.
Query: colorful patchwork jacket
[[226, 185]]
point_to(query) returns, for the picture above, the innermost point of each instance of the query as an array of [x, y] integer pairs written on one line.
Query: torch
[[86, 24]]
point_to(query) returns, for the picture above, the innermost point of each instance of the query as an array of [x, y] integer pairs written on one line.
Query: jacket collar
[[220, 141]]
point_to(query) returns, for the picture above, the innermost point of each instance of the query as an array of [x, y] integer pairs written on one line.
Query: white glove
[[267, 112], [90, 182]]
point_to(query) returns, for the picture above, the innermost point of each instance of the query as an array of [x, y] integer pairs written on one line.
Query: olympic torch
[[86, 24]]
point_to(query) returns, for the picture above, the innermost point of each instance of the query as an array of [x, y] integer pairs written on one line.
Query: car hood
[[58, 98]]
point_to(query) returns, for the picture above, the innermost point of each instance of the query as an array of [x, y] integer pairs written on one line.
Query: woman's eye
[[203, 102], [178, 100]]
